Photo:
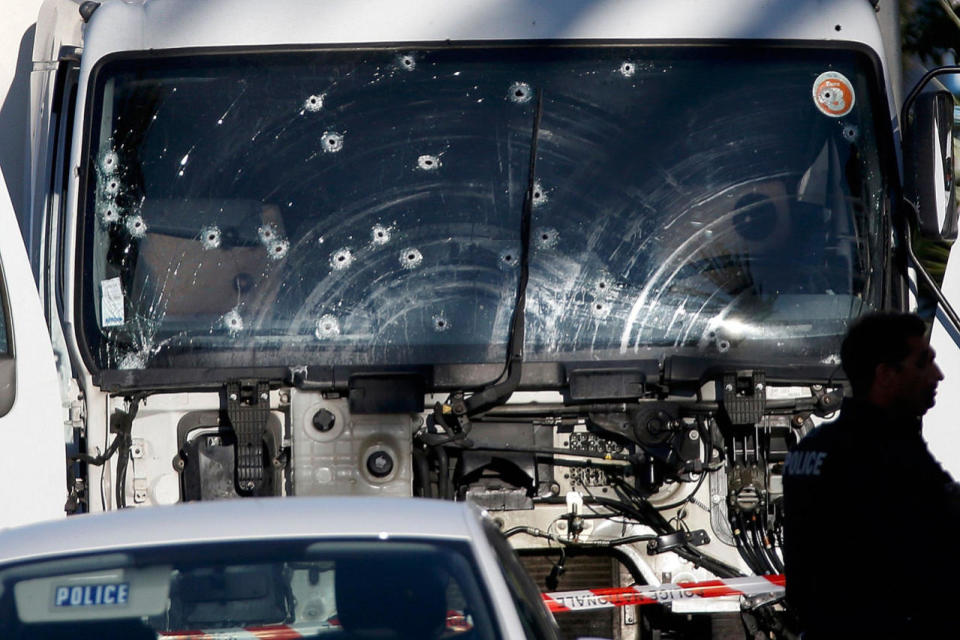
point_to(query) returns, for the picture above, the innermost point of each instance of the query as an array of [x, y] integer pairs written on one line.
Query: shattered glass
[[364, 207]]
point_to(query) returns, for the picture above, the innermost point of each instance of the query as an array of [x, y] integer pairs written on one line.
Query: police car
[[298, 568]]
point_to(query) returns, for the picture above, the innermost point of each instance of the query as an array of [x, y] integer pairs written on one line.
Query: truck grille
[[582, 572]]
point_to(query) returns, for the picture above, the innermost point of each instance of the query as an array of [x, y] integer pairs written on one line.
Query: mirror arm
[[927, 77], [945, 305]]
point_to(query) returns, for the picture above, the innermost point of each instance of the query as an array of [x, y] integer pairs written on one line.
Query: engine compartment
[[673, 486]]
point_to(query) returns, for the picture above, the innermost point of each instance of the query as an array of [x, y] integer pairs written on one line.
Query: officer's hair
[[877, 338]]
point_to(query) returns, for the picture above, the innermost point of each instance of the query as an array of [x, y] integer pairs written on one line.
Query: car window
[[390, 589], [536, 621]]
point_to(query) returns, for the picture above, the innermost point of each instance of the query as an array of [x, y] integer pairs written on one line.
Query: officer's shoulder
[[820, 435]]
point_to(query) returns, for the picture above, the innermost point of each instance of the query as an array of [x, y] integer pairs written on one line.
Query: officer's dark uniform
[[870, 530]]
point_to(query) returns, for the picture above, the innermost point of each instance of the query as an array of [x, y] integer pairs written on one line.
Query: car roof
[[242, 519]]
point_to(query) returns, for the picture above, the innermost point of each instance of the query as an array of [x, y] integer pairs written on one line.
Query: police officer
[[870, 517]]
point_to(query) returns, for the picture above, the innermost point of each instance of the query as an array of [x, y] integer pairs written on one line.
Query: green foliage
[[933, 255], [927, 30]]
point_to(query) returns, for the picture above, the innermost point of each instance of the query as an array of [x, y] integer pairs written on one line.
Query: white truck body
[[322, 418]]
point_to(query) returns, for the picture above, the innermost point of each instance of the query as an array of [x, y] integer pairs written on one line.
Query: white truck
[[586, 264]]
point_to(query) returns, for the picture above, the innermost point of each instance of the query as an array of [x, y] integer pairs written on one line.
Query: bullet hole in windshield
[[341, 259], [410, 258], [520, 92], [313, 103], [332, 142], [440, 323], [268, 233], [428, 163], [278, 249], [851, 132], [109, 213], [232, 322], [327, 327], [627, 69], [109, 162], [600, 309], [210, 237], [723, 346], [380, 234], [539, 194], [547, 238], [136, 227], [509, 258], [604, 286], [407, 61], [111, 186]]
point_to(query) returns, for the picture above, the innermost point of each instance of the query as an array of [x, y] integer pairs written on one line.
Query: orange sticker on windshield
[[833, 94]]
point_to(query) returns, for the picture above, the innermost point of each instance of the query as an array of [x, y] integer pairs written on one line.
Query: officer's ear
[[885, 376]]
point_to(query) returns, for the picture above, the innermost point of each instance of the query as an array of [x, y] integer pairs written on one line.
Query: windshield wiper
[[501, 390]]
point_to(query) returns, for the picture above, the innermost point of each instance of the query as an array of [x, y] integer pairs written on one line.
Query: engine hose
[[768, 545], [443, 473], [652, 518], [743, 546], [745, 553], [122, 423], [758, 547], [421, 467]]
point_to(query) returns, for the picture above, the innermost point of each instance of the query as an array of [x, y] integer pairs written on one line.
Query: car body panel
[[265, 520], [31, 433]]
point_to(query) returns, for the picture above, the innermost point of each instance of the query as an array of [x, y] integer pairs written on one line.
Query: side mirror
[[930, 159]]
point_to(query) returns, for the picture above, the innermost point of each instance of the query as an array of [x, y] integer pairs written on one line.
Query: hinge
[[76, 406], [248, 408], [76, 410], [743, 396]]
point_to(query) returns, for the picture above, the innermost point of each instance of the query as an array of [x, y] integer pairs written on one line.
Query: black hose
[[769, 549], [743, 546], [421, 468], [759, 549], [443, 473], [122, 423], [646, 514]]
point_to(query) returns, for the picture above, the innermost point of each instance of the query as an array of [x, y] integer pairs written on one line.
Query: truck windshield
[[363, 207]]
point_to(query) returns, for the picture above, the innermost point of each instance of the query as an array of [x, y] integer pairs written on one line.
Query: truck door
[[32, 451]]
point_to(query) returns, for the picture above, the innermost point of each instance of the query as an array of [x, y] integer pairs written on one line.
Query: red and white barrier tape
[[587, 599]]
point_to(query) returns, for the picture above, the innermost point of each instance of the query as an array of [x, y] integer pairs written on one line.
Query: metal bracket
[[744, 396], [671, 541], [248, 408]]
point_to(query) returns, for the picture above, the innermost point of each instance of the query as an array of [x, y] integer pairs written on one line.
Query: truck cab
[[586, 265]]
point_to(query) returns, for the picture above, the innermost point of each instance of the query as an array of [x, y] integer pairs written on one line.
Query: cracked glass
[[364, 206]]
